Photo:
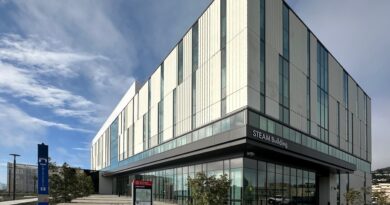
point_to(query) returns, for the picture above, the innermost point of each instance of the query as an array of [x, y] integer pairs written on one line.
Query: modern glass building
[[251, 92]]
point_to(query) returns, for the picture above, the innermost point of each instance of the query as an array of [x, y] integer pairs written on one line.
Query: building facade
[[251, 92], [26, 178]]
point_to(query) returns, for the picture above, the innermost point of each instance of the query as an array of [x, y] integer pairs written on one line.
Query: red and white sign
[[144, 184]]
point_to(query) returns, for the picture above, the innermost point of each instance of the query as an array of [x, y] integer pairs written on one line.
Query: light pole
[[14, 187]]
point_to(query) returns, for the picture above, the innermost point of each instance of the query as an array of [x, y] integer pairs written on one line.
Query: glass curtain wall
[[252, 182], [114, 143], [277, 184]]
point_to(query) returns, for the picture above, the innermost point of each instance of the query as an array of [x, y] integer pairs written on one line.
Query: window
[[284, 76], [148, 115], [223, 57], [195, 46], [347, 127], [308, 101], [357, 103], [284, 92], [223, 73], [180, 63], [351, 143], [113, 132], [322, 93], [195, 50], [160, 121], [366, 134], [223, 23], [345, 89], [286, 25], [130, 133], [338, 123], [162, 82], [149, 94], [262, 56], [174, 113], [160, 108], [145, 132], [193, 109]]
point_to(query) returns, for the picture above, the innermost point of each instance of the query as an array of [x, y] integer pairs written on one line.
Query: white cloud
[[59, 125], [86, 26], [30, 89], [19, 129], [80, 149], [73, 53], [42, 57], [20, 83]]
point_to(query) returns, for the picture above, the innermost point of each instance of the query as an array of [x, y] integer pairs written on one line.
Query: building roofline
[[127, 97]]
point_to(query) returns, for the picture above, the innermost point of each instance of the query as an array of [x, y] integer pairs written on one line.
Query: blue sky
[[65, 64]]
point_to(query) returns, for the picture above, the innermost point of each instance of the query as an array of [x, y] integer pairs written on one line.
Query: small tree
[[209, 190], [85, 185], [67, 183], [380, 197], [353, 197], [56, 190]]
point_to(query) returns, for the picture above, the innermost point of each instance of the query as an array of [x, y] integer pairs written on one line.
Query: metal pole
[[14, 190], [14, 184]]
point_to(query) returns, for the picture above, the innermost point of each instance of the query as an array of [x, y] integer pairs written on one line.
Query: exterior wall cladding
[[248, 91]]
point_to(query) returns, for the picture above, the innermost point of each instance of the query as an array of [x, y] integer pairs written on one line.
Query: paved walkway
[[101, 199], [106, 199], [20, 201]]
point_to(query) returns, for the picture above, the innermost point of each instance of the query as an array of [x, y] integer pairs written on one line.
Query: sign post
[[43, 174], [142, 192]]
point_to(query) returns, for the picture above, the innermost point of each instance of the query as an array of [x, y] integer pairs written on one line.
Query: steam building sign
[[267, 138]]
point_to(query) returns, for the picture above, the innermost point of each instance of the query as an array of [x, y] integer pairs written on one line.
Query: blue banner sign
[[43, 174]]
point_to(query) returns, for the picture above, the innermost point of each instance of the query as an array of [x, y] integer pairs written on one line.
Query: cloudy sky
[[65, 64]]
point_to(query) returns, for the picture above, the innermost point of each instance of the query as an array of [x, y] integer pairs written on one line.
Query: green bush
[[209, 190], [66, 183]]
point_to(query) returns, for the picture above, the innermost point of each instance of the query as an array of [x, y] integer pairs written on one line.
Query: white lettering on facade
[[271, 139]]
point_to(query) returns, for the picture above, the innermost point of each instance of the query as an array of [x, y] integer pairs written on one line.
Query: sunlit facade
[[251, 92]]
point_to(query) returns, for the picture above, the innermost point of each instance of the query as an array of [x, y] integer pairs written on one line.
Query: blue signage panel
[[43, 174]]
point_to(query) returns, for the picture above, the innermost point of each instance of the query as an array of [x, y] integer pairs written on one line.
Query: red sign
[[141, 183]]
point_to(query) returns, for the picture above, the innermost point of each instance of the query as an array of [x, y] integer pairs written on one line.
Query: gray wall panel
[[343, 129], [272, 82], [297, 98], [273, 24], [335, 80], [313, 83], [273, 47], [298, 43]]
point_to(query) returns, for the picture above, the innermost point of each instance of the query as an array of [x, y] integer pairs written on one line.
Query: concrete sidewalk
[[20, 201], [101, 199], [107, 199]]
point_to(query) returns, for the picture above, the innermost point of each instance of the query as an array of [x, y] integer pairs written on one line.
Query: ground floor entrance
[[252, 182]]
